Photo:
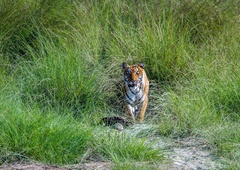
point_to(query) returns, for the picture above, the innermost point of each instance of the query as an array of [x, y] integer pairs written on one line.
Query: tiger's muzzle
[[132, 83]]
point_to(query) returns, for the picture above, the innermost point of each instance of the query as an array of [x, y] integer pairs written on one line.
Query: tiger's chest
[[134, 95]]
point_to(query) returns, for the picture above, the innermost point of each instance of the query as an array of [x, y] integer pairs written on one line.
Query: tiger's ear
[[124, 65], [141, 65]]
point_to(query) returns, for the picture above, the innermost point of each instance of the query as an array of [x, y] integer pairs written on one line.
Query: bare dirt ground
[[192, 153], [188, 153], [40, 166]]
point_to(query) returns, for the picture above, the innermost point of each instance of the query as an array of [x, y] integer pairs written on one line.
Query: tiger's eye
[[129, 71]]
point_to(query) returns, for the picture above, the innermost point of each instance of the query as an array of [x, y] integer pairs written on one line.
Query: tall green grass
[[60, 63], [46, 138], [207, 103], [27, 133], [63, 78]]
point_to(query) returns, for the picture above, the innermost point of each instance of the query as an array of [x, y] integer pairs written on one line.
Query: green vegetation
[[60, 62], [124, 148]]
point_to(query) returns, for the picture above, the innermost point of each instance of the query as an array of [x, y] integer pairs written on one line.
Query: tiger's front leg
[[129, 111], [143, 109]]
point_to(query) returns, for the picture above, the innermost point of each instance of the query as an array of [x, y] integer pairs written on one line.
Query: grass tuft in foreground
[[120, 147], [49, 137]]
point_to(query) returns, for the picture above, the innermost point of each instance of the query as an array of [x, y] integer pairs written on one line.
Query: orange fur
[[136, 86]]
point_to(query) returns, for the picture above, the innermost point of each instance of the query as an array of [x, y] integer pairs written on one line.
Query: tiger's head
[[132, 75]]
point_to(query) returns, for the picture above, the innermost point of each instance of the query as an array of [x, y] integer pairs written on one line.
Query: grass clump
[[24, 20], [50, 138], [63, 79], [122, 148]]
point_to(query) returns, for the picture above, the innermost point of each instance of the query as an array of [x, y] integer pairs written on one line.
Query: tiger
[[135, 90]]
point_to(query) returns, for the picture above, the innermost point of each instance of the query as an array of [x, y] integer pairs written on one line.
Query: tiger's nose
[[133, 83]]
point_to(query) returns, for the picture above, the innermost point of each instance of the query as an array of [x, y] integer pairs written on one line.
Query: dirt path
[[188, 153], [191, 153]]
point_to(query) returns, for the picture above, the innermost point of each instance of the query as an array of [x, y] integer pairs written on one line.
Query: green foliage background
[[60, 65]]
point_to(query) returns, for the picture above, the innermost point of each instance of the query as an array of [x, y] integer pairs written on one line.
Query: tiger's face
[[132, 75]]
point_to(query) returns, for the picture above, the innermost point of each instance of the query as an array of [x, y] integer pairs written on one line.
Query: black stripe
[[141, 98], [133, 92], [140, 80], [129, 98]]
